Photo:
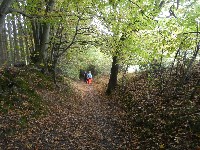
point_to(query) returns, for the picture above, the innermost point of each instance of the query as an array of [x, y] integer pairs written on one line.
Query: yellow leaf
[[161, 146]]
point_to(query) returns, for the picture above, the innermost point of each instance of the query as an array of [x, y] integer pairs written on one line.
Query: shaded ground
[[90, 121]]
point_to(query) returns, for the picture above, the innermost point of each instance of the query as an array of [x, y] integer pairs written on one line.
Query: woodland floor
[[92, 121]]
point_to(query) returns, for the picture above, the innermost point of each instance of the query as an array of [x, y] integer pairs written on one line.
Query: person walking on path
[[85, 76], [89, 77]]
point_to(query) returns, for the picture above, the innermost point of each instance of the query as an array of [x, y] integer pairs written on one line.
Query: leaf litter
[[82, 118]]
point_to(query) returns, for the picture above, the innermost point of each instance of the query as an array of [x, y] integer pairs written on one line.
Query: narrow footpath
[[102, 121]]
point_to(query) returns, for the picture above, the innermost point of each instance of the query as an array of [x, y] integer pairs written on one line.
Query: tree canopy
[[42, 33]]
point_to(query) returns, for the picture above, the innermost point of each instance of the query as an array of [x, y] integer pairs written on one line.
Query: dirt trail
[[92, 122], [103, 120]]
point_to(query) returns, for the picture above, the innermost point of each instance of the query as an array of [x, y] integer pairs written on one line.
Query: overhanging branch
[[11, 10], [73, 39]]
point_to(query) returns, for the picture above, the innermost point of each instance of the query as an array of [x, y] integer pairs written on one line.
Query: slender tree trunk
[[11, 49], [161, 75], [16, 44], [113, 76], [194, 56], [54, 69], [5, 43], [3, 46], [21, 40], [1, 51], [27, 39], [35, 53]]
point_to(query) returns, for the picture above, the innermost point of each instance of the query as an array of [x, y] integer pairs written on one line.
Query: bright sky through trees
[[102, 28]]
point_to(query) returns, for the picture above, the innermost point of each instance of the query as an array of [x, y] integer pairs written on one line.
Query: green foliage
[[85, 59], [135, 20], [147, 35]]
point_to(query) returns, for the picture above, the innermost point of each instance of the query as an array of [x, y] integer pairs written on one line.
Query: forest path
[[103, 120], [90, 121]]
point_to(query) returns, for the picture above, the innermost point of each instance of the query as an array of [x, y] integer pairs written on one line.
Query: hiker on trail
[[85, 76], [89, 78]]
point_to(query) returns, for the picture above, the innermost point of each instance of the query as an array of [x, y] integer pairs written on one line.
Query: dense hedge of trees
[[42, 33]]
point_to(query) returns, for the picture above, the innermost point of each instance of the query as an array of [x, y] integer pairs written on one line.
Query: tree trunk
[[41, 34], [3, 11], [5, 43], [35, 57], [16, 43], [4, 7], [11, 49], [1, 51], [54, 69], [113, 76], [3, 46], [46, 34], [21, 40], [27, 48]]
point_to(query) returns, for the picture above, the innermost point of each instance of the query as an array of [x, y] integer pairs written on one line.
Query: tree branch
[[191, 32], [11, 10], [141, 9], [73, 39], [172, 12]]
